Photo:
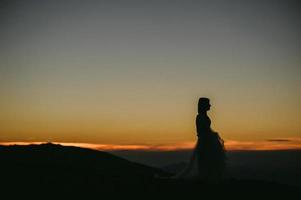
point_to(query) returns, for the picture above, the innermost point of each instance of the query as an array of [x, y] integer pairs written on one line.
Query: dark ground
[[280, 166], [50, 171]]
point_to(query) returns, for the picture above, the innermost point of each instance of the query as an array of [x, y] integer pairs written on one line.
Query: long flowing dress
[[208, 157]]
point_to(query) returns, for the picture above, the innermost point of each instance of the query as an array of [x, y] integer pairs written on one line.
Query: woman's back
[[203, 124]]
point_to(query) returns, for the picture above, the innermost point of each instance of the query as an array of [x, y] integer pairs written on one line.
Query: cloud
[[271, 144], [278, 140]]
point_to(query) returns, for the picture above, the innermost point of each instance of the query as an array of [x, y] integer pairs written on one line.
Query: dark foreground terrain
[[50, 171]]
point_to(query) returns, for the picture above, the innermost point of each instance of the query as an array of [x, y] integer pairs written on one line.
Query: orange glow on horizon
[[231, 145]]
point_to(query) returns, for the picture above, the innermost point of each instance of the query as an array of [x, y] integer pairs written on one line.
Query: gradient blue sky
[[131, 72]]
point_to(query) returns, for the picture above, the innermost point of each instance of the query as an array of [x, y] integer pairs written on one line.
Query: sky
[[131, 72]]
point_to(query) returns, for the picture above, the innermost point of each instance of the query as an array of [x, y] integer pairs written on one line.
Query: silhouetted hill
[[50, 170], [52, 156]]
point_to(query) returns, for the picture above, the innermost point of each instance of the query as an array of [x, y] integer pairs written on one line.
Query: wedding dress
[[208, 157]]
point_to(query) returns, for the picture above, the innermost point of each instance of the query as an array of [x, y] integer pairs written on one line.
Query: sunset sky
[[131, 72]]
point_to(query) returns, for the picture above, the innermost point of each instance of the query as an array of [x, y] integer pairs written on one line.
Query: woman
[[208, 157]]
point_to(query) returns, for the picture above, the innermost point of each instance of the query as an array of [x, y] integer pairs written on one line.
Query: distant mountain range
[[53, 170]]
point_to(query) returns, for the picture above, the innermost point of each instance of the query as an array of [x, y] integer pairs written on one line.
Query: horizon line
[[230, 145]]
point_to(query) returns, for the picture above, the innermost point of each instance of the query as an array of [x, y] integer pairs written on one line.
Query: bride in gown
[[207, 162]]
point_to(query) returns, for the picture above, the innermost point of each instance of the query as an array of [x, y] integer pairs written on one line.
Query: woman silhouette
[[208, 157]]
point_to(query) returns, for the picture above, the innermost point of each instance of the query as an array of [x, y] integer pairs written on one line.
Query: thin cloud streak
[[278, 140], [231, 145], [273, 144]]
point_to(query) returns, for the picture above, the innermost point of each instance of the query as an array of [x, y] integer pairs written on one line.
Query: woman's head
[[204, 104]]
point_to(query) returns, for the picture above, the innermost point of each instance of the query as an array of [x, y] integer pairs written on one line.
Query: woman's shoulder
[[202, 117]]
